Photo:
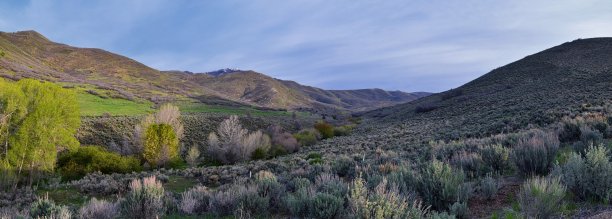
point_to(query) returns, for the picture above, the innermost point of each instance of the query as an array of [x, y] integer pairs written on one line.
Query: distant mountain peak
[[223, 71]]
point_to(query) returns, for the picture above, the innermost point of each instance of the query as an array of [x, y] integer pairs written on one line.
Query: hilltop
[[28, 54]]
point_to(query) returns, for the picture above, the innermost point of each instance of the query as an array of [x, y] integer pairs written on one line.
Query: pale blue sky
[[333, 44]]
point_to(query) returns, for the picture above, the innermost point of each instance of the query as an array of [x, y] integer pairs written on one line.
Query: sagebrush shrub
[[496, 157], [589, 177], [195, 200], [246, 198], [405, 179], [535, 153], [488, 187], [46, 208], [588, 136], [224, 202], [344, 166], [99, 209], [251, 201], [331, 184], [145, 199], [326, 205], [470, 163], [381, 203], [269, 187], [440, 185], [541, 197], [298, 203], [459, 209]]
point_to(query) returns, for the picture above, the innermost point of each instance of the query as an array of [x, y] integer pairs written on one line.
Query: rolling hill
[[538, 90], [28, 54]]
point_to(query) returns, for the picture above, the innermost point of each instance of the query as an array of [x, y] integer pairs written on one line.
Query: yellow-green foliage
[[326, 130], [36, 119], [160, 144], [75, 164]]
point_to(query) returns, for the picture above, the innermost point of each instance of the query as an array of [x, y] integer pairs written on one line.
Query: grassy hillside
[[28, 54]]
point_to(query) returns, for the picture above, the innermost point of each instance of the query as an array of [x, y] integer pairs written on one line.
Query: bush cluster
[[88, 159], [541, 197], [145, 199], [440, 185], [535, 152], [588, 177]]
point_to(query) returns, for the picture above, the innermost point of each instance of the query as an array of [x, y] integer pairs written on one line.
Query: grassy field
[[92, 105], [203, 108]]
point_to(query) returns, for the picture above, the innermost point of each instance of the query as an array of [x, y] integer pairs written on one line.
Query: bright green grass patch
[[92, 105], [204, 108]]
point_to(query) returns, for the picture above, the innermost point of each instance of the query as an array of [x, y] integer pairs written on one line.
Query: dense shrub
[[343, 130], [440, 185], [224, 202], [167, 115], [99, 209], [570, 132], [470, 163], [344, 166], [145, 199], [459, 209], [331, 184], [496, 157], [307, 137], [541, 197], [326, 130], [88, 159], [324, 199], [381, 203], [589, 177], [160, 144], [589, 136], [270, 188], [231, 143], [488, 187], [195, 200], [298, 202], [46, 208], [535, 153], [283, 139], [325, 205]]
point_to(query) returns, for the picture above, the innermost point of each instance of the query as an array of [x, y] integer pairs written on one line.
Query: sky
[[408, 45]]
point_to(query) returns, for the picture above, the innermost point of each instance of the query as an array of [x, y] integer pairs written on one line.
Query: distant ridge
[[28, 54]]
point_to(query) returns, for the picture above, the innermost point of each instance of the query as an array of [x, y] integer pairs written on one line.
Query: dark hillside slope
[[533, 90], [538, 89]]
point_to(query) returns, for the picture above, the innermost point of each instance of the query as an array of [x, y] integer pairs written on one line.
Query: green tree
[[160, 144], [38, 120]]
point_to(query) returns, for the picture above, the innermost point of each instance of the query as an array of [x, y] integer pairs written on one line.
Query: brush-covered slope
[[537, 89], [29, 54]]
